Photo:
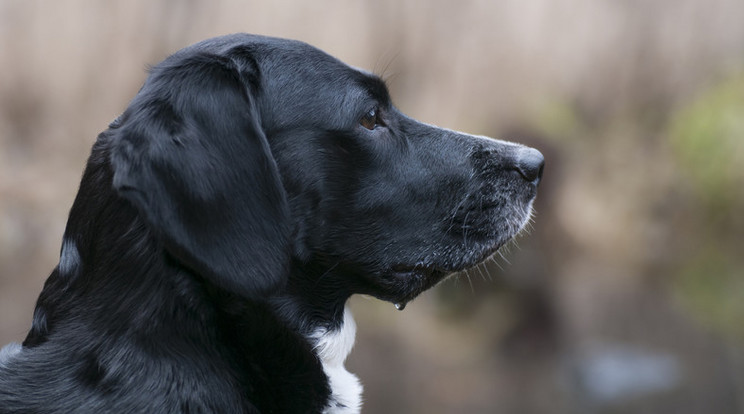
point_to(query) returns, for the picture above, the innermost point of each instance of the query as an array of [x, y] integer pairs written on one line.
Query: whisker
[[483, 275], [488, 271], [472, 289], [504, 258], [330, 269], [389, 58], [464, 228], [453, 214], [496, 262]]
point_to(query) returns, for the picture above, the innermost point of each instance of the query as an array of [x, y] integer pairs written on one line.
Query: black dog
[[250, 188]]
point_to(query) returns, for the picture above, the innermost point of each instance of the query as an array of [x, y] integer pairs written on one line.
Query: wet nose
[[530, 163]]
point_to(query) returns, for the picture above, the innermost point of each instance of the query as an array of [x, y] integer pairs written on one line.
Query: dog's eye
[[371, 119]]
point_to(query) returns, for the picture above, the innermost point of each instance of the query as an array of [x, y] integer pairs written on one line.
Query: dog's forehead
[[298, 78], [313, 64], [288, 65]]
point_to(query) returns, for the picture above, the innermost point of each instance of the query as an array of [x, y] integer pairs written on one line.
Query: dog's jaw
[[332, 346]]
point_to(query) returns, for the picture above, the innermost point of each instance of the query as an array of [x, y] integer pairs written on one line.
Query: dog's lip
[[419, 268], [433, 270]]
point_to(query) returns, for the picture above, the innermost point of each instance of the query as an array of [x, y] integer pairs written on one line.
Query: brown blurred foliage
[[628, 293]]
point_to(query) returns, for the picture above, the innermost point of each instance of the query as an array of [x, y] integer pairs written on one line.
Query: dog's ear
[[190, 154]]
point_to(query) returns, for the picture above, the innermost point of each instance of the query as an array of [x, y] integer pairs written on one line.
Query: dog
[[250, 188]]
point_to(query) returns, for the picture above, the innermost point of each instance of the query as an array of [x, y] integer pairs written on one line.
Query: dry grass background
[[617, 269]]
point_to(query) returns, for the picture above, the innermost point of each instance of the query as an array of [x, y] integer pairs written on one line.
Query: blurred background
[[627, 294]]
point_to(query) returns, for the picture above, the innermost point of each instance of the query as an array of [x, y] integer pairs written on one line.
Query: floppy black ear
[[190, 154]]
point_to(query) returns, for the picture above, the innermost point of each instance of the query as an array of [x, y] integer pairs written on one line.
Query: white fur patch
[[332, 347], [9, 351], [69, 259]]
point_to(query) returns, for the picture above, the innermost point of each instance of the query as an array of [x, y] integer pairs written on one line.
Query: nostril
[[530, 164]]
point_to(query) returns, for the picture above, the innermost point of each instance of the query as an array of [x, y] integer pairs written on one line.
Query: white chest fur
[[332, 347]]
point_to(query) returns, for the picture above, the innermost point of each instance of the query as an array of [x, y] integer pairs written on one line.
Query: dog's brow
[[375, 87]]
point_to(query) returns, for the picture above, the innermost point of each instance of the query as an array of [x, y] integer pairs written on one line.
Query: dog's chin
[[406, 281]]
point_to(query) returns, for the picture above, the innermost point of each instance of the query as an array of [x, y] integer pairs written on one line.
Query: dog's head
[[246, 154]]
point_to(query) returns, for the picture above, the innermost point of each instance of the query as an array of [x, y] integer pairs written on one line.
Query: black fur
[[231, 211]]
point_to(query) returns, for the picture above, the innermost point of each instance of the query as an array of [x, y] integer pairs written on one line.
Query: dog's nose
[[530, 163]]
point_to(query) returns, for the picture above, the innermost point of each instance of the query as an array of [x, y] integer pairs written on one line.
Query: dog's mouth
[[403, 281], [440, 270], [412, 280], [422, 276]]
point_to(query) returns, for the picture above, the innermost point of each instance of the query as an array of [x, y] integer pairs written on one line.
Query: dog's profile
[[223, 220]]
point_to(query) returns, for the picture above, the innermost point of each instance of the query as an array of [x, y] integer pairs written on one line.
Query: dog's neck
[[314, 304]]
